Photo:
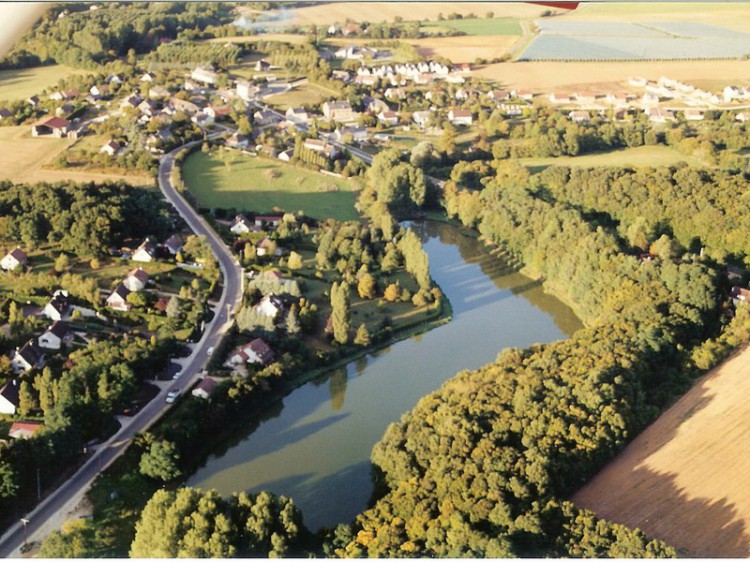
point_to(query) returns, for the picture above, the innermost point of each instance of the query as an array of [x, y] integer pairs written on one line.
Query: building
[[9, 397], [498, 95], [218, 112], [173, 244], [57, 335], [24, 429], [266, 221], [694, 115], [204, 75], [525, 95], [317, 145], [14, 259], [286, 155], [388, 118], [460, 117], [246, 89], [205, 388], [5, 113], [118, 299], [270, 305], [256, 352], [55, 127], [264, 117], [579, 116], [297, 115], [57, 307], [146, 252], [236, 140], [28, 357], [241, 225], [266, 245], [262, 65], [422, 118], [358, 133], [111, 148], [132, 101], [157, 93], [585, 97], [659, 115], [147, 77], [339, 111], [33, 101], [559, 97], [136, 280]]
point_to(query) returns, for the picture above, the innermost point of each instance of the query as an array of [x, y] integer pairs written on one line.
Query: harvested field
[[685, 478], [641, 156], [547, 76], [26, 82], [325, 14], [465, 48], [21, 155]]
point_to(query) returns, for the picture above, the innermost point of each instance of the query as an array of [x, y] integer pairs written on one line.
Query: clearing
[[339, 12], [641, 156], [477, 26], [24, 83], [245, 183], [606, 76], [685, 478]]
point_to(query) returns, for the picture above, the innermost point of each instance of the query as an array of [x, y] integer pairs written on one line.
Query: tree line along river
[[314, 446]]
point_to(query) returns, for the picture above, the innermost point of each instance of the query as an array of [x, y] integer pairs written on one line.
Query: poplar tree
[[340, 312]]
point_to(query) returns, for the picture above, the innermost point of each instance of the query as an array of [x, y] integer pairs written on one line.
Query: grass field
[[466, 48], [305, 94], [21, 84], [605, 76], [685, 478], [486, 26], [641, 156], [325, 14], [245, 184]]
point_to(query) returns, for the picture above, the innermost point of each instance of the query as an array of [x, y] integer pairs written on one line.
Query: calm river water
[[315, 445]]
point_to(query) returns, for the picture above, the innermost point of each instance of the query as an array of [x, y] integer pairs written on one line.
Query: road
[[105, 454]]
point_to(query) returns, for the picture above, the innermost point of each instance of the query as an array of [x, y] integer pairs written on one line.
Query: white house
[[241, 225], [270, 305], [117, 300], [339, 111], [460, 117], [9, 397], [111, 148], [559, 97], [388, 118], [13, 259], [246, 89], [204, 75], [136, 280], [297, 115], [145, 252], [57, 307], [579, 116], [286, 155], [421, 118], [29, 357], [147, 77], [57, 335]]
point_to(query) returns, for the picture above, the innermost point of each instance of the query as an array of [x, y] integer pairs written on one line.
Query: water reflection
[[316, 448]]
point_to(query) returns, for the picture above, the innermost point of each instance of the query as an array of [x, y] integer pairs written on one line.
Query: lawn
[[641, 156], [310, 94], [24, 83], [483, 26], [244, 183]]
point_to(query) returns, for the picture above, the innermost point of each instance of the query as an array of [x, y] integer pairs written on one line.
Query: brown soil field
[[549, 76], [326, 14], [686, 478], [466, 48], [23, 157]]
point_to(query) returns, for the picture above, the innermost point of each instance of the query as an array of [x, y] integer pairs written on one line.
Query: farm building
[[55, 127]]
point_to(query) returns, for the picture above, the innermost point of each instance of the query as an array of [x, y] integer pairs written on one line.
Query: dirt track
[[686, 479]]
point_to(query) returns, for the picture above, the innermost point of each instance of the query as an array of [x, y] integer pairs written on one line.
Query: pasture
[[685, 478], [24, 83], [234, 180], [642, 156], [477, 26], [311, 94]]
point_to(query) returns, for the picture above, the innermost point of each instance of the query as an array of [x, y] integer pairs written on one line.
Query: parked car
[[210, 351], [172, 395], [177, 375]]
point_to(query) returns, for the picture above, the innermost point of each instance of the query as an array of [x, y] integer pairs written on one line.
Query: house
[[266, 245], [339, 111], [241, 225], [33, 101], [297, 115], [57, 335], [739, 295], [257, 351], [184, 105], [148, 107], [318, 145], [559, 97], [743, 116], [262, 65], [14, 259], [381, 137], [498, 95], [147, 77], [579, 116], [395, 94], [136, 280], [218, 112], [422, 118], [117, 300], [50, 127], [286, 155], [205, 388], [57, 307], [341, 75], [351, 29], [694, 115], [146, 252], [111, 148], [650, 99], [5, 113], [333, 29], [270, 305], [454, 78], [161, 304], [132, 101], [64, 110], [173, 244], [189, 85], [264, 117], [460, 117], [525, 95], [24, 429], [9, 397], [204, 75], [585, 97], [265, 221], [202, 119], [366, 80], [358, 133], [637, 81], [388, 118], [29, 357], [158, 92], [659, 115], [246, 89], [99, 91], [512, 109]]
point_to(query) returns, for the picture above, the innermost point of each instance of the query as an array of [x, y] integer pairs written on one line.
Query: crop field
[[641, 156], [326, 14], [248, 183], [24, 83], [486, 26], [465, 48], [601, 76], [603, 28], [685, 478]]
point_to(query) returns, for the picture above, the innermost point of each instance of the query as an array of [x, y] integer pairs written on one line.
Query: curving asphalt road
[[106, 453]]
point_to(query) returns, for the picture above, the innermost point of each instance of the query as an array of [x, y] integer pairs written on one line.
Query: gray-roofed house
[[28, 357], [9, 397], [13, 259], [58, 306], [57, 335]]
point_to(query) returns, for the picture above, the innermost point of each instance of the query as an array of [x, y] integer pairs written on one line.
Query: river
[[314, 446]]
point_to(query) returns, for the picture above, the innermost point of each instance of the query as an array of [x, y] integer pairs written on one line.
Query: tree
[[665, 248], [392, 292], [137, 299], [161, 461], [292, 321], [174, 308], [363, 335], [62, 262], [95, 264], [26, 399], [9, 485], [340, 312], [295, 261], [367, 286]]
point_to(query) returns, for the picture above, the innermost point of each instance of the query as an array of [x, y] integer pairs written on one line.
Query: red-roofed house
[[205, 388], [50, 127], [24, 429]]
